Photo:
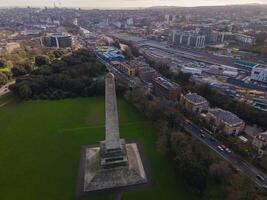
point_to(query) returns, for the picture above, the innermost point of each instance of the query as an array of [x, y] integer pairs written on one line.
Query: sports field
[[40, 143]]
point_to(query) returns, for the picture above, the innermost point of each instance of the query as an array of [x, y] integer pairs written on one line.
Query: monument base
[[94, 179]]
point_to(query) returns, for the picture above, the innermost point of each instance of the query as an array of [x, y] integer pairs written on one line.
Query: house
[[125, 68], [194, 103], [225, 121], [164, 87]]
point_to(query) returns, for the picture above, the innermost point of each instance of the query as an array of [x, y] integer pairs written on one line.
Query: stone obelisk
[[113, 163], [112, 120], [113, 151]]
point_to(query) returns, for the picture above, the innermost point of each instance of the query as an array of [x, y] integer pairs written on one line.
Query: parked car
[[219, 147], [228, 150], [260, 177]]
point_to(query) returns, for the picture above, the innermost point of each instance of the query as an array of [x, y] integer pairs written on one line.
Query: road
[[4, 89], [238, 163]]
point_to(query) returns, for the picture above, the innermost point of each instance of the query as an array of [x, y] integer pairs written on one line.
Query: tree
[[191, 163], [127, 53], [25, 91], [41, 60], [61, 78], [220, 172], [117, 43], [241, 188], [3, 78], [18, 70], [2, 63]]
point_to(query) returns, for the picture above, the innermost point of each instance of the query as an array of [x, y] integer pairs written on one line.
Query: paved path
[[101, 126], [4, 89]]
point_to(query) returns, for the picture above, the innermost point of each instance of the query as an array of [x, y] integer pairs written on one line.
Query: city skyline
[[123, 3]]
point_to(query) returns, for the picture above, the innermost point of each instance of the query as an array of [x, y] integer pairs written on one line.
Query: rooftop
[[262, 135], [195, 98], [261, 66], [226, 116], [165, 83]]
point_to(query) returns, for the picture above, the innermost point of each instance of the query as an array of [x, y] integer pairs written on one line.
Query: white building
[[187, 39], [191, 70], [259, 73], [245, 39], [130, 21]]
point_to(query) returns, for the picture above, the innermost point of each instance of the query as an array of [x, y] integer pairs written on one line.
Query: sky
[[122, 3]]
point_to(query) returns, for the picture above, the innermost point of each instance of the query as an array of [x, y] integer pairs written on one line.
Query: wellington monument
[[114, 165]]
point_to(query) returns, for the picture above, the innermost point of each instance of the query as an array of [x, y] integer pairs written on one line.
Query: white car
[[228, 150], [219, 147]]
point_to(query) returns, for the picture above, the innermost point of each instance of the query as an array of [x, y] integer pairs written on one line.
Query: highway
[[237, 162]]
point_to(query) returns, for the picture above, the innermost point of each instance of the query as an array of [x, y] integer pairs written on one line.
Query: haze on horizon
[[122, 3]]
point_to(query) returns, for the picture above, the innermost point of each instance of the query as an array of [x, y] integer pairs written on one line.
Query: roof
[[195, 98], [245, 63], [261, 66], [226, 116], [262, 135], [166, 84]]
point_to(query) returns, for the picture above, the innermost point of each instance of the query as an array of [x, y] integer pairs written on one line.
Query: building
[[207, 32], [169, 90], [222, 37], [260, 140], [125, 68], [191, 70], [244, 63], [109, 54], [194, 103], [245, 40], [57, 41], [187, 39], [146, 73], [225, 121], [32, 33], [259, 73]]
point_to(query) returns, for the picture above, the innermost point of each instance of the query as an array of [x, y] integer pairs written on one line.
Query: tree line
[[198, 166], [73, 75]]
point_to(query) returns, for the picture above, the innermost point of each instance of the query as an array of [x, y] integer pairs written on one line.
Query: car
[[260, 177], [223, 146], [219, 147], [228, 150], [202, 135]]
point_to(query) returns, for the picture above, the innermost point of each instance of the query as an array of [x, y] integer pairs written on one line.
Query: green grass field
[[40, 143]]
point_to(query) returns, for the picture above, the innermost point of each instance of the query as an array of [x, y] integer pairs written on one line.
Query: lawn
[[40, 143]]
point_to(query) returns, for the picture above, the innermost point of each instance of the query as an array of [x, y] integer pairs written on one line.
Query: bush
[[41, 60]]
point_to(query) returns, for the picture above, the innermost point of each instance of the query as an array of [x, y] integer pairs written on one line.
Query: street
[[238, 163]]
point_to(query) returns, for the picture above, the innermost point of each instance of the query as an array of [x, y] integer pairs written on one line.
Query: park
[[40, 143]]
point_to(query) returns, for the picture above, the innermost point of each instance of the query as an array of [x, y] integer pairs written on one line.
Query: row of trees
[[5, 76], [199, 167], [71, 76]]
